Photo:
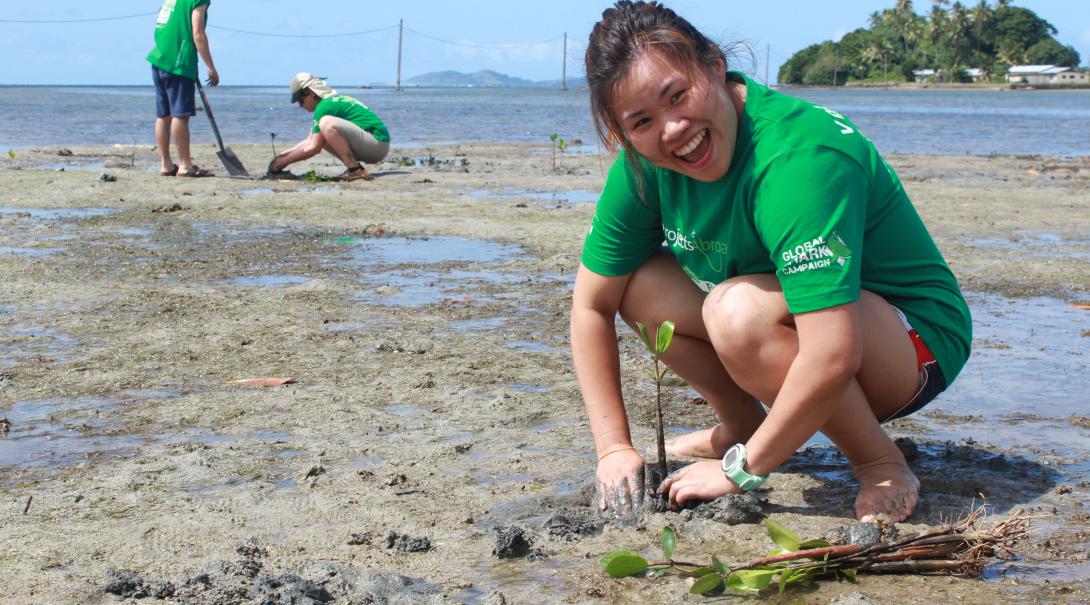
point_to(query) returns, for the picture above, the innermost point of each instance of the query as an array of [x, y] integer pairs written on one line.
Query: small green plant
[[557, 142], [11, 155], [313, 176], [663, 336], [272, 137]]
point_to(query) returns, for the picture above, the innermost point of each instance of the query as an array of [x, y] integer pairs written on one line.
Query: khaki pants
[[365, 146]]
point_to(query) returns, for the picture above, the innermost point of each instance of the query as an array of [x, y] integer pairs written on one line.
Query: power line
[[120, 18], [492, 46], [271, 35]]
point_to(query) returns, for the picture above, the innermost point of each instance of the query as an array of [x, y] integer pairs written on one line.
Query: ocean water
[[950, 122]]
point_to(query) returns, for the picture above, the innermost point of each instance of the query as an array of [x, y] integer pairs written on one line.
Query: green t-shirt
[[807, 197], [174, 50], [348, 108]]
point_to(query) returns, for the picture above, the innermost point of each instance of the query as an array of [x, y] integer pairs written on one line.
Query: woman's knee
[[742, 309]]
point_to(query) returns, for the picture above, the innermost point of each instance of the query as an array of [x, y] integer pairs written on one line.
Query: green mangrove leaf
[[807, 545], [669, 542], [757, 578], [775, 552], [723, 569], [552, 137], [781, 536], [623, 565], [664, 336], [645, 337], [613, 554], [708, 583], [849, 575], [735, 583]]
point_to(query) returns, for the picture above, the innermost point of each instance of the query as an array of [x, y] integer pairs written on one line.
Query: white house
[[1045, 74]]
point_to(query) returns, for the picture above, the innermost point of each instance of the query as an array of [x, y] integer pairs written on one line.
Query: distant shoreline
[[944, 86]]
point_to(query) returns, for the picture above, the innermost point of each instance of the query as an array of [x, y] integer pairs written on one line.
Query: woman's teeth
[[693, 144]]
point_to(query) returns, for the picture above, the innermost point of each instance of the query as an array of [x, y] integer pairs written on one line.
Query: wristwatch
[[734, 467]]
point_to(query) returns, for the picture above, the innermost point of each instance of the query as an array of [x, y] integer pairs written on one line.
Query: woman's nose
[[675, 127]]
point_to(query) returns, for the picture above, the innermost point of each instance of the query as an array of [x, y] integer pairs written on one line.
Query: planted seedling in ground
[[557, 142], [958, 549], [663, 337]]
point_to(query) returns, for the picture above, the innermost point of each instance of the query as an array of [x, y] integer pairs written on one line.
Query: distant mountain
[[484, 78]]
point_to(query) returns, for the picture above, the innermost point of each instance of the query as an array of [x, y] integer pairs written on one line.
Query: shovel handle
[[208, 110]]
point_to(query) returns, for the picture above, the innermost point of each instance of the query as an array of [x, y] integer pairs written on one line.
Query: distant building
[[923, 75], [1036, 75], [975, 74]]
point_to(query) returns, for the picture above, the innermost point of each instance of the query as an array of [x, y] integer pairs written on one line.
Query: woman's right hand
[[620, 482]]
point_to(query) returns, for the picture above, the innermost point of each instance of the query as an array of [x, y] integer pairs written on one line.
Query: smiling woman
[[795, 268]]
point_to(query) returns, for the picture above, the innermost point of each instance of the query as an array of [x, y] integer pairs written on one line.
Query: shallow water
[[945, 122]]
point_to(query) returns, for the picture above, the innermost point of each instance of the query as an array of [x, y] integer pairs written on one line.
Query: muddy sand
[[432, 447]]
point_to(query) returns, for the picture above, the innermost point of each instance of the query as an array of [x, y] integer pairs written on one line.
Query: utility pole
[[768, 59], [400, 35], [564, 65]]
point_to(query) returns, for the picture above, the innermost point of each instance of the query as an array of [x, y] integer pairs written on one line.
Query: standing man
[[179, 38]]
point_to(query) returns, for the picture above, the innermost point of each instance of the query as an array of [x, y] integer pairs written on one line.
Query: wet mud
[[432, 445]]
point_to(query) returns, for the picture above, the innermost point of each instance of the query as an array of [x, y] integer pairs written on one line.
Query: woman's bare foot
[[887, 490], [708, 443]]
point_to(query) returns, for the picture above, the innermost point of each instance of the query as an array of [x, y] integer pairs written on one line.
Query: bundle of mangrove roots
[[958, 548]]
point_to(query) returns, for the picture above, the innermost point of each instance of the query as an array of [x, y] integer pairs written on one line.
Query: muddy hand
[[620, 483]]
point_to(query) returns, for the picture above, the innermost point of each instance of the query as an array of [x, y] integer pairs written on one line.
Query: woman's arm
[[830, 352], [594, 351], [307, 148]]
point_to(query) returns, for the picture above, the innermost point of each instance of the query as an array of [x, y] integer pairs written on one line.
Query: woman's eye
[[641, 122], [677, 97]]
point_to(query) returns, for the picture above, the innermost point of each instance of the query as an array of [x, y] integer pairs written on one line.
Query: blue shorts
[[174, 94]]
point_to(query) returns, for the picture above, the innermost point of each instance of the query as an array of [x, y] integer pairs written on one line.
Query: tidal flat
[[434, 419]]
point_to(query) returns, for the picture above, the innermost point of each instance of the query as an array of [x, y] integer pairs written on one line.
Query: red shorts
[[932, 382]]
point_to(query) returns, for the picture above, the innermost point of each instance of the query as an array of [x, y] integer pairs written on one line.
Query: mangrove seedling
[[557, 142], [11, 155], [663, 336], [272, 137], [958, 549]]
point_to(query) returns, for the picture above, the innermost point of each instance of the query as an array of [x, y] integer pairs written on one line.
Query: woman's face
[[308, 101], [678, 120]]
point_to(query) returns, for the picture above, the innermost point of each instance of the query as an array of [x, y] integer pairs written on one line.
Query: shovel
[[230, 160]]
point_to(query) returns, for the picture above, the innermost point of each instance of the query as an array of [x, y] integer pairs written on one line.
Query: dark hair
[[626, 31]]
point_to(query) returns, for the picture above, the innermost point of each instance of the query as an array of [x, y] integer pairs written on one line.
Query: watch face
[[732, 456]]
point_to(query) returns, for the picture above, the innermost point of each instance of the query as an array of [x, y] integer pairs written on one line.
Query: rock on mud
[[733, 509], [514, 542], [405, 543]]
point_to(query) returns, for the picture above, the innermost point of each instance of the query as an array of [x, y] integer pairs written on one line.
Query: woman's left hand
[[698, 481]]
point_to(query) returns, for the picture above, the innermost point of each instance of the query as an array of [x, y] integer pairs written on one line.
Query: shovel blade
[[232, 163]]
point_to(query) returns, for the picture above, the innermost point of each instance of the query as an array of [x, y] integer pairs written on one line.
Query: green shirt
[[174, 50], [807, 197], [348, 108]]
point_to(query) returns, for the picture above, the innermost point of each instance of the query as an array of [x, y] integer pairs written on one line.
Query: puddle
[[269, 281], [527, 345], [53, 432], [523, 387], [575, 196], [1028, 373], [1035, 244], [430, 250], [31, 252], [256, 191], [418, 284], [36, 343], [57, 213], [402, 410], [469, 326]]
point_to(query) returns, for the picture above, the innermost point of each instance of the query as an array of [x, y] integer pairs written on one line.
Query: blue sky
[[517, 38]]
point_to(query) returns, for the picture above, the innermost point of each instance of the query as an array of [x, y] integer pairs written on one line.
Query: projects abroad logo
[[817, 253]]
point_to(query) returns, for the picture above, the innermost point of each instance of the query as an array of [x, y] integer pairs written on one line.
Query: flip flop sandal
[[196, 172], [359, 173], [171, 172]]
